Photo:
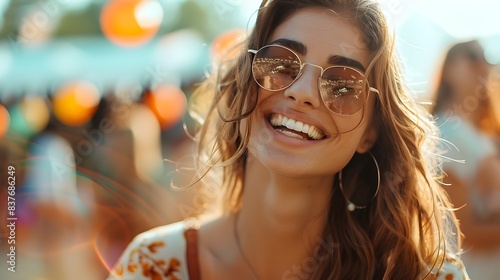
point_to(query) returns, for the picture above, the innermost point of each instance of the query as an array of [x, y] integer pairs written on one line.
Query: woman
[[464, 110], [320, 152]]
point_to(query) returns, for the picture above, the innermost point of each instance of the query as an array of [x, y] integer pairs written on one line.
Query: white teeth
[[291, 134], [311, 131], [277, 120], [305, 128], [298, 126], [280, 120], [315, 135]]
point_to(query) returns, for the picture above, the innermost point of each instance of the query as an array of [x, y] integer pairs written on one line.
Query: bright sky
[[3, 5]]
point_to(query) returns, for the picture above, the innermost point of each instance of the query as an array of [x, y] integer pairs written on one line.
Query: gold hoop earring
[[351, 206]]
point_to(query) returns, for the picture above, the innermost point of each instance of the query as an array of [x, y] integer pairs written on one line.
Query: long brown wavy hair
[[405, 230]]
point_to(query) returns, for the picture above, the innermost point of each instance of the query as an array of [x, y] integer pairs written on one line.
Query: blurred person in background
[[464, 109], [494, 93], [323, 161]]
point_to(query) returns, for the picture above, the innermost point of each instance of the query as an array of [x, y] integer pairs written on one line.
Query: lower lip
[[287, 140]]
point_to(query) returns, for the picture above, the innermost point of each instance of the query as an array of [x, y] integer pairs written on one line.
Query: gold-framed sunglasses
[[343, 89]]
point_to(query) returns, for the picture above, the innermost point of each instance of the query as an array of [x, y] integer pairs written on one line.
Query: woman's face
[[322, 38], [467, 71]]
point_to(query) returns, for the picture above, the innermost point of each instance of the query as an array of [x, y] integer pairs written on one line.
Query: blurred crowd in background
[[93, 109]]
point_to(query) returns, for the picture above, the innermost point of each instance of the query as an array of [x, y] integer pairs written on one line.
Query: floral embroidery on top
[[151, 267], [452, 269], [160, 253]]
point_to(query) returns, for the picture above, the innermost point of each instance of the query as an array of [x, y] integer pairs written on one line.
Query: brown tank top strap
[[191, 235]]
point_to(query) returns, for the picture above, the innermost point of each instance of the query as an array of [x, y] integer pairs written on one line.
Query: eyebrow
[[291, 44], [345, 61], [332, 59]]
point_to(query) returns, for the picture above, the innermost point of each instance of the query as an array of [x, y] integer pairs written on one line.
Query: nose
[[305, 91]]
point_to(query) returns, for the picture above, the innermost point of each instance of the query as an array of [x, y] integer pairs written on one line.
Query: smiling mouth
[[294, 128]]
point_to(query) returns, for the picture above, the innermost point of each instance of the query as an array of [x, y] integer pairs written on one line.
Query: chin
[[288, 165]]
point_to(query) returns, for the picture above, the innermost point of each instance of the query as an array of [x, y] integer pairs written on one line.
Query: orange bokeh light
[[35, 113], [131, 22], [4, 120], [225, 46], [168, 103], [75, 103]]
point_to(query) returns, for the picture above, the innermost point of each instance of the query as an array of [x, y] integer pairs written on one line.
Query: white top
[[471, 145], [160, 253]]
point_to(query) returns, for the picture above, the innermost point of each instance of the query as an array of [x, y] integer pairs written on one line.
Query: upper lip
[[304, 118]]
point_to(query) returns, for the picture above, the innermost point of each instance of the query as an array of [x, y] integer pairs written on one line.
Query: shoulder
[[452, 269], [462, 132], [159, 253]]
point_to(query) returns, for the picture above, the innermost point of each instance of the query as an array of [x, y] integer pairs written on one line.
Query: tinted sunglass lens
[[275, 68], [342, 90]]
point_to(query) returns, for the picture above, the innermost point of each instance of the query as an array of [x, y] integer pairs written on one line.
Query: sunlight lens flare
[[131, 22], [75, 103], [4, 120], [168, 103], [29, 116], [226, 45]]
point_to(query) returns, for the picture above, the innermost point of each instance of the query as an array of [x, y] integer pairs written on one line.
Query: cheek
[[252, 128], [258, 136], [347, 125], [355, 126], [247, 123], [369, 108], [263, 94]]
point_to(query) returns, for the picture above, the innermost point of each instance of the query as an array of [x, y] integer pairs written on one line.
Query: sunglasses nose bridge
[[314, 65], [304, 88], [302, 70]]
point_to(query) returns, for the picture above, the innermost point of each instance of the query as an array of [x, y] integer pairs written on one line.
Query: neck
[[282, 217]]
